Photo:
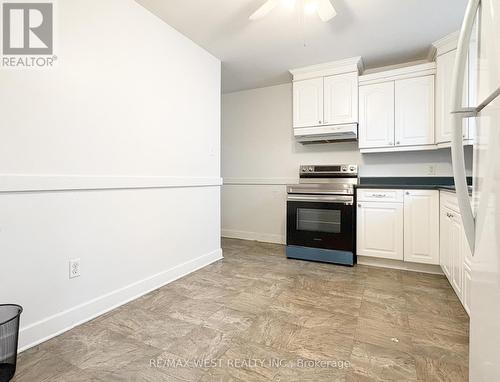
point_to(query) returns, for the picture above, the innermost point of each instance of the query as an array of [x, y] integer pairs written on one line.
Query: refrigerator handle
[[458, 113]]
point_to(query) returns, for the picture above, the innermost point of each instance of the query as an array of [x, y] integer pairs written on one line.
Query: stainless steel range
[[321, 217]]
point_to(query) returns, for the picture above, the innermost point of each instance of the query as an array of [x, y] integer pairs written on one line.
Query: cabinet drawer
[[449, 200], [380, 195]]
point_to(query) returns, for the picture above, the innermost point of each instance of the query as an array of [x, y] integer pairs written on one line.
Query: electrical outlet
[[431, 169], [74, 268]]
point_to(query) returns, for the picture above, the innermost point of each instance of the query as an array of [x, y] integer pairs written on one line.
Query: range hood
[[326, 134]]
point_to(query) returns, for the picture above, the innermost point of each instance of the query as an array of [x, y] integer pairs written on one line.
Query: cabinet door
[[414, 111], [456, 253], [341, 99], [444, 80], [308, 102], [380, 230], [444, 242], [376, 115], [467, 286], [421, 226], [466, 272]]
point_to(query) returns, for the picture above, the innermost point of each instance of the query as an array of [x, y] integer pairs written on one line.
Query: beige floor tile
[[256, 304], [321, 343], [40, 365], [201, 343], [381, 333], [158, 330], [382, 364], [393, 315], [93, 347], [439, 370]]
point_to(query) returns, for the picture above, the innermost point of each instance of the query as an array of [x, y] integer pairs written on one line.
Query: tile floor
[[256, 316]]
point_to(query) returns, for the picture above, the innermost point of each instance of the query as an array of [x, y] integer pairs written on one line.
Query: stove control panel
[[329, 170]]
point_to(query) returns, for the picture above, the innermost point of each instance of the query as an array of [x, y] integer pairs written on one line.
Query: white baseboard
[[59, 323], [257, 236], [397, 264]]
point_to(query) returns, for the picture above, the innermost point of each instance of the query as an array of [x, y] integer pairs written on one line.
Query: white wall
[[260, 156], [111, 157]]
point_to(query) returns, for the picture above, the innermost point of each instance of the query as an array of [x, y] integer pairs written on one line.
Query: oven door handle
[[347, 200]]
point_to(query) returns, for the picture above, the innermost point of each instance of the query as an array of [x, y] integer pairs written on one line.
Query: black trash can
[[9, 333]]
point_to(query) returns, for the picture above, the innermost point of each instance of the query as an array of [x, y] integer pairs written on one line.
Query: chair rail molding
[[31, 183]]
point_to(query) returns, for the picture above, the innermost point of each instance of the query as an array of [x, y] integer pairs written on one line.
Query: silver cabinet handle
[[407, 192], [359, 204], [319, 122], [379, 195], [347, 200], [397, 142]]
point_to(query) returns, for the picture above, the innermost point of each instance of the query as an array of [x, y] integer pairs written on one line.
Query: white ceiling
[[259, 53]]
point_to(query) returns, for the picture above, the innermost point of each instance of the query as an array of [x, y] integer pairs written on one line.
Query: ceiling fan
[[324, 8]]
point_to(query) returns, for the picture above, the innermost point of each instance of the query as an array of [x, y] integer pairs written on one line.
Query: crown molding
[[348, 65], [428, 68], [444, 45]]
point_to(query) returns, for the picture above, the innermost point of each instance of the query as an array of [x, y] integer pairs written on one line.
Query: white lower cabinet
[[467, 284], [399, 225], [421, 226], [380, 230], [444, 242], [455, 256]]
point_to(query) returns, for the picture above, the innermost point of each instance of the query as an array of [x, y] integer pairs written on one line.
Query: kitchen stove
[[321, 214]]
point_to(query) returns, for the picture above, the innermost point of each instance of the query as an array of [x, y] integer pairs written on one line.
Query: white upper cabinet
[[446, 50], [445, 63], [326, 94], [444, 76], [396, 109], [308, 102], [414, 111], [340, 99], [421, 226], [376, 115]]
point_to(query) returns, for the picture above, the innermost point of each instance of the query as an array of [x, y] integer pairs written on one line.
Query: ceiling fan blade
[[326, 11], [267, 7]]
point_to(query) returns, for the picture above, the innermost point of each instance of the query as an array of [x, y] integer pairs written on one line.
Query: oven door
[[321, 221]]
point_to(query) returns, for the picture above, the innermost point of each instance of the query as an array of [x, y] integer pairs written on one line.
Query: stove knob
[[352, 168], [344, 168], [311, 169]]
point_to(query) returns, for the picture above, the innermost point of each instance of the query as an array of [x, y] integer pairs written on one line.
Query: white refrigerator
[[480, 37]]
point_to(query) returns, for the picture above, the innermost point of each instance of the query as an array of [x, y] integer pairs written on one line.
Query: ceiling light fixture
[[288, 4], [310, 7], [323, 8]]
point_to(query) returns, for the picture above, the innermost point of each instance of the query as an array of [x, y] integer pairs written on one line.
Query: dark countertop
[[405, 186], [413, 183]]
